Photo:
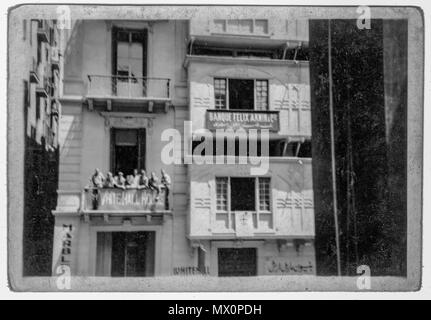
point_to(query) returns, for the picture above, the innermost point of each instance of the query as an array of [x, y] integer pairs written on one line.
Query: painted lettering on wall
[[116, 199], [190, 271], [63, 271], [287, 266]]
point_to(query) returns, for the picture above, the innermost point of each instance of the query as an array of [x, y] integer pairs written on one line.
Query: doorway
[[237, 262], [126, 254], [127, 150]]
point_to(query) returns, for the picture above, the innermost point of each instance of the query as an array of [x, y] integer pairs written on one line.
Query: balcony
[[280, 206], [44, 88], [243, 223], [113, 92], [113, 199], [43, 31], [34, 73], [114, 203]]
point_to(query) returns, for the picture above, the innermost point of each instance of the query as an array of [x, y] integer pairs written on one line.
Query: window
[[221, 185], [24, 29], [38, 107], [127, 150], [39, 52], [261, 94], [129, 58], [242, 193], [220, 93], [241, 94], [26, 94], [264, 194]]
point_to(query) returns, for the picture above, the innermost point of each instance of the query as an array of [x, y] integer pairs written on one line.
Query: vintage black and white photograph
[[182, 148]]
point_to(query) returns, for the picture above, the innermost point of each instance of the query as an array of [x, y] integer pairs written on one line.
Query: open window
[[127, 150], [243, 194], [129, 61], [241, 94]]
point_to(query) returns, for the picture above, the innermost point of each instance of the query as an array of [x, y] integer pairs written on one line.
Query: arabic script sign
[[228, 119], [285, 265]]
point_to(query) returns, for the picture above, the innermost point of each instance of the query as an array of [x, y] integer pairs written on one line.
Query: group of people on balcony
[[133, 181]]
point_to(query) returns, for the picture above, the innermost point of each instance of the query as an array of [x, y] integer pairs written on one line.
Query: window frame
[[226, 93], [114, 53], [231, 214]]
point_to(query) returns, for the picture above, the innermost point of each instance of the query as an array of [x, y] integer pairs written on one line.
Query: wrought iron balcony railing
[[128, 87]]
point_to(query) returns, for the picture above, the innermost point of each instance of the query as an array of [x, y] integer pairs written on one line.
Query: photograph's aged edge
[[15, 156]]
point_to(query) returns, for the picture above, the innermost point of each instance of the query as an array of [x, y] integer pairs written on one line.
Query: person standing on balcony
[[110, 181], [120, 181], [97, 181], [166, 182], [143, 180], [153, 184], [136, 178], [129, 182]]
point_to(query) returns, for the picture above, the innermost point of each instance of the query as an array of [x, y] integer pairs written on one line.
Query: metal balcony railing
[[128, 87]]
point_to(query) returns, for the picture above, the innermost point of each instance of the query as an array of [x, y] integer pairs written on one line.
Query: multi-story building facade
[[128, 83], [41, 73], [248, 74]]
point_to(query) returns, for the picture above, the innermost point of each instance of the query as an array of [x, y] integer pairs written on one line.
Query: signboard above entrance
[[245, 119]]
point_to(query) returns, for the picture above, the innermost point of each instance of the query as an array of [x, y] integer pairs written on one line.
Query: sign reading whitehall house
[[117, 199], [236, 119]]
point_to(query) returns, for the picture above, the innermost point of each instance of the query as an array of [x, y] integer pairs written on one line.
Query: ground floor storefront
[[235, 258], [156, 245]]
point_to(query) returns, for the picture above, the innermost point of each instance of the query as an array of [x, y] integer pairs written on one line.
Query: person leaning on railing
[[166, 182], [143, 180], [120, 181], [153, 184], [97, 180], [110, 181]]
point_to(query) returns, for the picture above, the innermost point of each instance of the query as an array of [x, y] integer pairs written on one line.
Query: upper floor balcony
[[227, 202], [43, 89], [34, 71], [114, 91], [114, 202]]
